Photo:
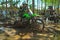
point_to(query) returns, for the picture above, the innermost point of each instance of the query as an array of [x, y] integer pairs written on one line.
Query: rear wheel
[[40, 24]]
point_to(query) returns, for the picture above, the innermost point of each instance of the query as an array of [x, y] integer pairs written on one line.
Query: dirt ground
[[11, 35]]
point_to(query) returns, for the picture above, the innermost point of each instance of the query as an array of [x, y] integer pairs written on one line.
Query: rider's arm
[[30, 12]]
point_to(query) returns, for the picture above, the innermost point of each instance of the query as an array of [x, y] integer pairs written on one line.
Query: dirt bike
[[33, 22]]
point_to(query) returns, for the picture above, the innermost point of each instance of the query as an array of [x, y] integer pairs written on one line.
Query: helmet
[[24, 3], [50, 7]]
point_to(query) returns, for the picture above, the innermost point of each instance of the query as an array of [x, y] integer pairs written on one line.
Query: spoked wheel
[[40, 24]]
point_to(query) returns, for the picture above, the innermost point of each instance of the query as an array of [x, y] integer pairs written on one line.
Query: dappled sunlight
[[29, 20]]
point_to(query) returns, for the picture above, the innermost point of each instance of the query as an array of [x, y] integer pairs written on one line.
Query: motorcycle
[[34, 22]]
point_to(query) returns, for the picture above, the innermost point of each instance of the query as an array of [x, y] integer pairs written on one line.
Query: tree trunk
[[45, 5], [27, 1], [54, 4], [41, 4], [6, 4], [33, 6], [6, 7], [58, 6], [37, 6]]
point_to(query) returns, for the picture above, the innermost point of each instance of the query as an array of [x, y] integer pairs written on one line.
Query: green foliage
[[11, 2], [50, 2]]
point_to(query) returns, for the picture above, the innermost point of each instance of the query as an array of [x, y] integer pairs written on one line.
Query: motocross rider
[[24, 11]]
